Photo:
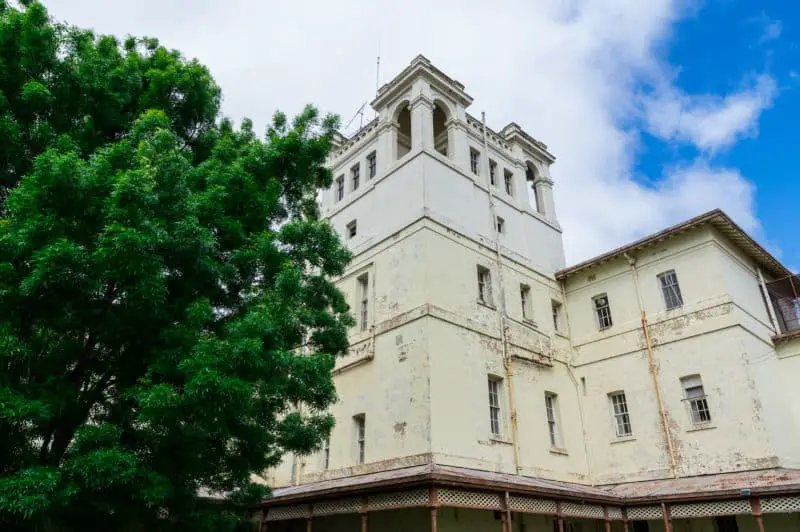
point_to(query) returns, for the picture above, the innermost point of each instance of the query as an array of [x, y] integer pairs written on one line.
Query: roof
[[717, 218], [421, 65], [719, 486]]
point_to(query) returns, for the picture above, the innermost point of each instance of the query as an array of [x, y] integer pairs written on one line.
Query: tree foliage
[[167, 319]]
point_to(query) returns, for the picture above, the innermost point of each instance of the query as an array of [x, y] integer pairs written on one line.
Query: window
[[726, 523], [360, 422], [670, 289], [352, 229], [603, 311], [508, 178], [494, 405], [525, 299], [556, 315], [474, 161], [695, 396], [372, 165], [340, 188], [484, 285], [501, 225], [622, 420], [492, 173], [326, 453], [363, 290], [641, 526], [355, 176], [551, 408]]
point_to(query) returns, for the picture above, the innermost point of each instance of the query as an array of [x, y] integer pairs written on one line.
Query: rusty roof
[[716, 218], [717, 486]]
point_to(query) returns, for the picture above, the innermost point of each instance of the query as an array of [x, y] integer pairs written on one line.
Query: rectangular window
[[501, 225], [340, 188], [492, 172], [670, 289], [326, 453], [475, 161], [355, 175], [372, 164], [695, 396], [352, 229], [551, 408], [363, 291], [360, 422], [508, 179], [556, 315], [494, 405], [525, 299], [603, 311], [622, 420], [484, 285]]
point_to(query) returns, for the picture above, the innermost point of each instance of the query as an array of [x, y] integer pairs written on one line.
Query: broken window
[[695, 396], [494, 405], [484, 285], [603, 311], [670, 289], [622, 419]]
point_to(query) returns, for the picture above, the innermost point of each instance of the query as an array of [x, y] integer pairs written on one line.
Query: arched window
[[403, 131], [533, 194], [440, 133]]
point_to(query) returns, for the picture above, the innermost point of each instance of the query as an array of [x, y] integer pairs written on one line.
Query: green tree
[[167, 321]]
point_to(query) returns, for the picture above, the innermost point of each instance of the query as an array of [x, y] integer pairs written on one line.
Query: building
[[489, 387]]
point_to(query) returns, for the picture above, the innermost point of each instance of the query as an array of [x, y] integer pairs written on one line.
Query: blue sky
[[725, 44], [657, 110]]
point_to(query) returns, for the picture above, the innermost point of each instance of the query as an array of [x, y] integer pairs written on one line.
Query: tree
[[168, 325]]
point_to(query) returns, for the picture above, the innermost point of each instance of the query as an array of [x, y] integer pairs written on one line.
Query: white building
[[488, 387]]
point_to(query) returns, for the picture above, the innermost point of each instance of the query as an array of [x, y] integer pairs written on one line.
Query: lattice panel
[[614, 513], [399, 499], [582, 510], [469, 499], [282, 513], [531, 506], [636, 513], [340, 506], [774, 505], [708, 509]]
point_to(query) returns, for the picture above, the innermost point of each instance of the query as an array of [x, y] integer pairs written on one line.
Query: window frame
[[361, 438], [352, 229], [525, 302], [508, 181], [485, 295], [670, 291], [492, 173], [621, 416], [475, 161], [556, 307], [340, 188], [602, 313], [696, 402], [326, 453], [551, 415], [495, 406], [372, 164], [500, 224], [355, 176], [363, 289]]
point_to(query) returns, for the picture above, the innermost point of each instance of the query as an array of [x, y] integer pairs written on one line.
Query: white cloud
[[771, 28], [569, 71], [710, 122]]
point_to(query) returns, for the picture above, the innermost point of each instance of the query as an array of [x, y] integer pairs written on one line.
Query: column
[[544, 191], [421, 123]]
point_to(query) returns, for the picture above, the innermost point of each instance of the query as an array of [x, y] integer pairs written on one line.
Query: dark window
[[670, 289], [726, 523], [474, 161], [492, 172], [372, 164], [640, 526], [355, 173], [340, 188]]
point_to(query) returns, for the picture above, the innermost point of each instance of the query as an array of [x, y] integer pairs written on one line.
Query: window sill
[[497, 438], [559, 450], [701, 426], [623, 439], [485, 304], [528, 321], [562, 335]]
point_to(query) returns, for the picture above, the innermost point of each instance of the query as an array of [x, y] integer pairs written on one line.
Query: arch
[[441, 134], [531, 174], [403, 119]]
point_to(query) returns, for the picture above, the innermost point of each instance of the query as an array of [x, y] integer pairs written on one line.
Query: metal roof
[[717, 218]]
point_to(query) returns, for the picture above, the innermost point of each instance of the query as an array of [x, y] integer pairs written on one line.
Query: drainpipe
[[773, 317], [653, 368], [503, 314]]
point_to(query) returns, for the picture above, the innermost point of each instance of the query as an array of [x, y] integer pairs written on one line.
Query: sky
[[657, 110]]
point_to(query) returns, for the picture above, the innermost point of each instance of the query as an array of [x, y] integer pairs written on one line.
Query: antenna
[[360, 112], [378, 75]]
